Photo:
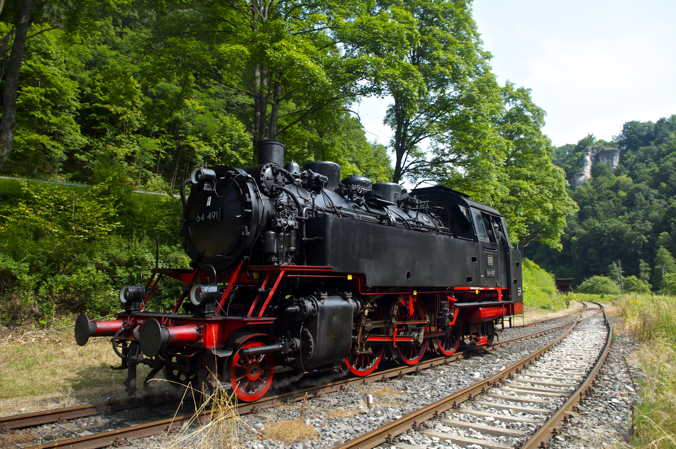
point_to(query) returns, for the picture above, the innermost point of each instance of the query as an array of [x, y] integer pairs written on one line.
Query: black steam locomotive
[[297, 268]]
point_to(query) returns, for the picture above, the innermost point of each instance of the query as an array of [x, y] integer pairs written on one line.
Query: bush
[[636, 285], [16, 302], [599, 284], [66, 249]]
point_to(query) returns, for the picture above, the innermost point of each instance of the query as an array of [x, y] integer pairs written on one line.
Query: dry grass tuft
[[341, 412], [214, 424], [290, 431], [385, 391]]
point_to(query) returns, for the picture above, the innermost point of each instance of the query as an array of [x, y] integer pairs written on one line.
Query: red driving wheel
[[407, 309], [251, 375], [448, 344], [364, 364], [411, 353]]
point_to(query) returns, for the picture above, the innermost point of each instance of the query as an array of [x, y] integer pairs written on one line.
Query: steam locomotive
[[297, 269]]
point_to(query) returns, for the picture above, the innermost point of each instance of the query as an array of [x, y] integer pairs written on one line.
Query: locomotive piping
[[269, 349], [85, 328], [153, 337]]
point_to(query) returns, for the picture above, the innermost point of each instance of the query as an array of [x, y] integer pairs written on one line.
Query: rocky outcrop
[[596, 155]]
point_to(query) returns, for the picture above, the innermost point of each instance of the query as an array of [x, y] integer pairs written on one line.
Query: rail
[[104, 439], [393, 429]]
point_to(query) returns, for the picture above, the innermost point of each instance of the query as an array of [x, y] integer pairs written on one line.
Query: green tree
[[279, 60], [669, 284], [644, 270], [616, 274], [426, 55], [47, 132], [20, 17], [598, 284], [17, 19], [664, 265], [537, 203]]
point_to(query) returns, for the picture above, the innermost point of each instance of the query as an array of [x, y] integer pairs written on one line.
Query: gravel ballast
[[389, 400], [604, 418], [337, 417]]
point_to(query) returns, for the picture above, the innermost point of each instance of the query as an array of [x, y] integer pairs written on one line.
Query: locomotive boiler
[[299, 269]]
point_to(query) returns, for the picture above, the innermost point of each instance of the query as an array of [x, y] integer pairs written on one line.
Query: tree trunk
[[400, 139], [274, 110], [11, 81], [259, 105], [4, 43]]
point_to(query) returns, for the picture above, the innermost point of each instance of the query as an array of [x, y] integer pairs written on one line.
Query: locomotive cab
[[495, 262]]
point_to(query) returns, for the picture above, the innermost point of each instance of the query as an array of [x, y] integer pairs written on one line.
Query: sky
[[591, 65]]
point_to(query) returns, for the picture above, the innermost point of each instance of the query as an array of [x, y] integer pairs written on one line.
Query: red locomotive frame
[[249, 357]]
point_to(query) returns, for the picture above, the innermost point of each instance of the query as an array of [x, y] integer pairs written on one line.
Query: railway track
[[520, 407], [77, 411], [86, 410], [104, 439]]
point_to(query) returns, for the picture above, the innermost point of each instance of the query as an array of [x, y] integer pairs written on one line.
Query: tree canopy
[[134, 94], [153, 88], [627, 215]]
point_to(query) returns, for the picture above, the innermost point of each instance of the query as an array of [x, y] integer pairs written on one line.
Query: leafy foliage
[[537, 202], [627, 215], [664, 265], [66, 249], [157, 88], [636, 285], [669, 284], [539, 288], [599, 284]]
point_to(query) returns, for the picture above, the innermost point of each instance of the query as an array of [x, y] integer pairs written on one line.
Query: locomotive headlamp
[[131, 294], [200, 294], [202, 174]]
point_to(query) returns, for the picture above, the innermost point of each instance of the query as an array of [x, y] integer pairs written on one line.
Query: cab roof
[[455, 196]]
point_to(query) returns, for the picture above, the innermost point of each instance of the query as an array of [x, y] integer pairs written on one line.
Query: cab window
[[479, 226], [460, 223], [500, 231], [488, 224]]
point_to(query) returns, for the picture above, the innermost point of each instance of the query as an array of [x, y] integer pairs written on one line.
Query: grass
[[651, 321], [539, 288], [341, 412], [45, 368], [290, 431]]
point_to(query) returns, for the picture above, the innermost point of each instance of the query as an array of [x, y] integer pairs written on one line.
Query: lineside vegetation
[[651, 321]]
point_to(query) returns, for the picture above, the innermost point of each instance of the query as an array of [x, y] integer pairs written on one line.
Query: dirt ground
[[44, 368], [532, 314]]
